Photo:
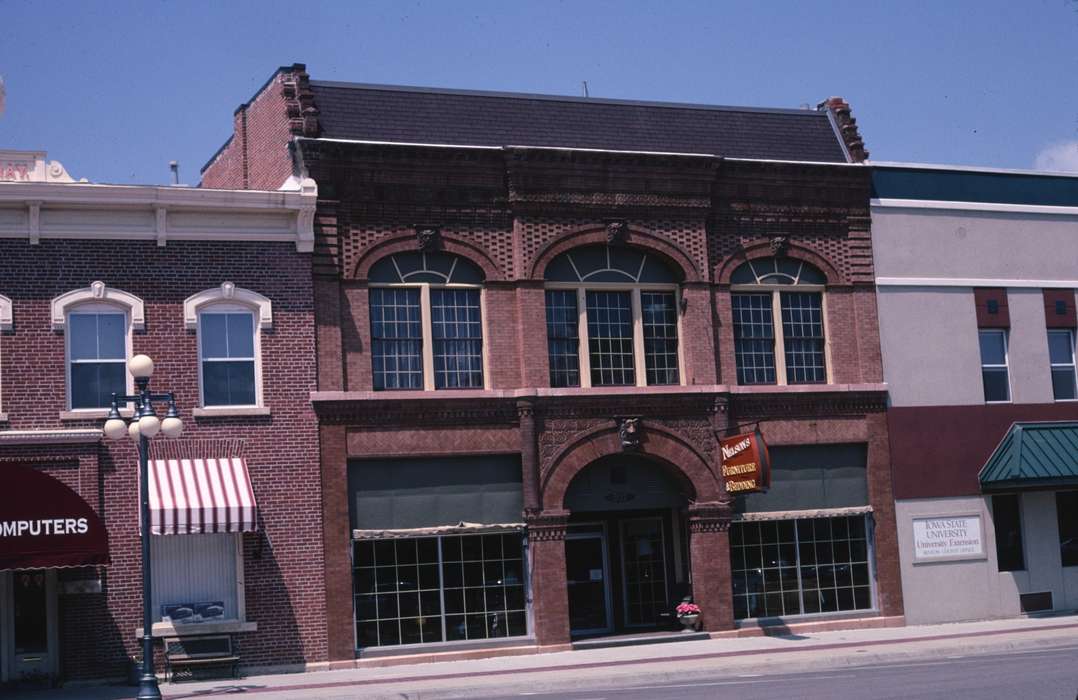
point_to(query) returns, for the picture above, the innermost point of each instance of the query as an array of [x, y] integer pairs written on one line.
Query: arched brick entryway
[[708, 513]]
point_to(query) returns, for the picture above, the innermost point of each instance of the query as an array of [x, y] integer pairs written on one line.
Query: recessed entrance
[[27, 625], [626, 547]]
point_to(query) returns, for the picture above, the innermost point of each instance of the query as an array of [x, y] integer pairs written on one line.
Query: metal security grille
[[457, 338], [435, 589], [802, 333], [397, 339], [800, 567], [754, 338], [660, 337], [563, 337], [610, 338]]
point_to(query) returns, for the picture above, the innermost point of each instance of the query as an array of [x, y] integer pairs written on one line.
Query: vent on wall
[[1035, 602]]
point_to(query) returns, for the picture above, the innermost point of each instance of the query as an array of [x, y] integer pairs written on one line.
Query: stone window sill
[[93, 414], [229, 411], [170, 629]]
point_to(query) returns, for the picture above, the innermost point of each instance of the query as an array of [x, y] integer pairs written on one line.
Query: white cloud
[[1058, 156]]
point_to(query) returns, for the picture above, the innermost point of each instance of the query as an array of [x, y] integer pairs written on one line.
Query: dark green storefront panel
[[810, 477], [408, 493]]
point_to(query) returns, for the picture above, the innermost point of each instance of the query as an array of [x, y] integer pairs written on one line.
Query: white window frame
[[775, 291], [97, 308], [1006, 361], [1052, 366], [6, 324], [231, 308], [427, 331], [639, 360]]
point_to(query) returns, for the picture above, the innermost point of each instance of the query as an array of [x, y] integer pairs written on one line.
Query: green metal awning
[[1033, 455]]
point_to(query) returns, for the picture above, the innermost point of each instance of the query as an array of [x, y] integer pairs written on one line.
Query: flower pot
[[690, 622]]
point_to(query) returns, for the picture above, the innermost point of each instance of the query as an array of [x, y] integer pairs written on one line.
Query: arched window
[[426, 322], [612, 318], [793, 350]]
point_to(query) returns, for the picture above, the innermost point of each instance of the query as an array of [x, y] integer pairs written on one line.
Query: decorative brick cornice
[[780, 405], [547, 526], [847, 127], [380, 413], [299, 102], [713, 516]]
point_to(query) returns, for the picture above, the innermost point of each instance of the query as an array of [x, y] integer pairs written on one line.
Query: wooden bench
[[191, 652]]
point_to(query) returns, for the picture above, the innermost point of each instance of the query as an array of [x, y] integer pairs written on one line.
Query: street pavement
[[1026, 659]]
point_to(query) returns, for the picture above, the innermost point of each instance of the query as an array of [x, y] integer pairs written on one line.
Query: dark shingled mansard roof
[[353, 111]]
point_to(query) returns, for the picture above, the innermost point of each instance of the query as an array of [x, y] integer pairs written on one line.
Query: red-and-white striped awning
[[191, 496]]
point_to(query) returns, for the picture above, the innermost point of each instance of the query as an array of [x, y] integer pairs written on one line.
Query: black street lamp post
[[144, 425]]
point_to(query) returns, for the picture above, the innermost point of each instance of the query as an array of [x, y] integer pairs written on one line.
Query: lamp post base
[[148, 688]]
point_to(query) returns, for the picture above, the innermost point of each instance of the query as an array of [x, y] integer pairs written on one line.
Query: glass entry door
[[643, 571], [588, 582], [31, 593]]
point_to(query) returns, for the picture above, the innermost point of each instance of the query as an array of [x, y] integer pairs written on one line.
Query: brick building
[[215, 286], [536, 316]]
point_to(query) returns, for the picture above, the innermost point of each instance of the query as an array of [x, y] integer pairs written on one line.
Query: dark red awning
[[44, 524]]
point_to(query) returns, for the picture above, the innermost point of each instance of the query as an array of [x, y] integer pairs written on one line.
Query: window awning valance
[[192, 496], [1033, 455], [44, 523]]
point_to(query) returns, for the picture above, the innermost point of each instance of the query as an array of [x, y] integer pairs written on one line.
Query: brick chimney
[[847, 127]]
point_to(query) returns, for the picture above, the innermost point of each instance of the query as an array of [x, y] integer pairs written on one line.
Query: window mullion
[[639, 361], [780, 344], [582, 332], [428, 337]]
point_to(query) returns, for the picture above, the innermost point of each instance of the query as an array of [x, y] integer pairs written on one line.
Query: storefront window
[[1007, 519], [439, 589], [800, 567], [1067, 512]]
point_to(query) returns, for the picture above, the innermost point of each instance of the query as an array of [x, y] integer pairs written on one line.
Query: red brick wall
[[283, 564]]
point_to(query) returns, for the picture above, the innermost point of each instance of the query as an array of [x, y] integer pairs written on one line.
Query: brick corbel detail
[[547, 525], [299, 102], [847, 127]]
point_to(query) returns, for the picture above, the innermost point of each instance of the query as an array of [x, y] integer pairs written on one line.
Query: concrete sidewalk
[[580, 670]]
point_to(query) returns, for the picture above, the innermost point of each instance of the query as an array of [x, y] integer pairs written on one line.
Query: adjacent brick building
[[536, 316], [91, 275]]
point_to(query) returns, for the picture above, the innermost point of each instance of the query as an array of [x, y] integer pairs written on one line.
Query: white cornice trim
[[50, 437], [51, 210], [973, 206], [228, 292], [6, 318], [975, 282], [98, 291]]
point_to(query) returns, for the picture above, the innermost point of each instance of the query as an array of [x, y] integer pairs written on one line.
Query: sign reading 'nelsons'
[[948, 538], [745, 464]]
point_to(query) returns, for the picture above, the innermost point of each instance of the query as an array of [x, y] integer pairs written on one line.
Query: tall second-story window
[[97, 354], [612, 319], [994, 374], [1061, 358], [426, 322], [227, 351], [793, 349]]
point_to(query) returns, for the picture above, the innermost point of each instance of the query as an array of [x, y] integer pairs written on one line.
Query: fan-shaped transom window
[[792, 350], [612, 319], [592, 264], [426, 322]]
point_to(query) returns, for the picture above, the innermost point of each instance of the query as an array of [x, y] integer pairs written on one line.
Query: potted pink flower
[[688, 614]]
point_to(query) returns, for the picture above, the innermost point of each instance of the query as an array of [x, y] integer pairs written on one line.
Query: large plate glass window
[[227, 348], [97, 354], [439, 589], [612, 319], [426, 322], [792, 350], [800, 567]]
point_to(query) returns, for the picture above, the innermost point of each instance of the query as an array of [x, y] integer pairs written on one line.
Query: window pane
[[996, 386], [111, 343], [660, 337], [754, 338], [228, 383], [1067, 514], [610, 338], [457, 338], [213, 334], [191, 569], [1006, 517], [93, 383], [241, 335], [1063, 383], [993, 348], [82, 336], [562, 332], [396, 339], [802, 331], [1059, 348]]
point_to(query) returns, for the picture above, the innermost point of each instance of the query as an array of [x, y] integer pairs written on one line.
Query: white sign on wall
[[948, 538]]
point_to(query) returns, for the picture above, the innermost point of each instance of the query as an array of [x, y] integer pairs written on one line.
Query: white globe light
[[141, 366], [149, 425], [133, 430], [172, 427], [115, 428]]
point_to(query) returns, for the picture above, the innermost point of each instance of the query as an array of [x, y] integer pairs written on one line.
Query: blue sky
[[114, 90]]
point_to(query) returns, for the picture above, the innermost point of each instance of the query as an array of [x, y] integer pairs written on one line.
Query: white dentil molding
[[228, 292], [99, 292]]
